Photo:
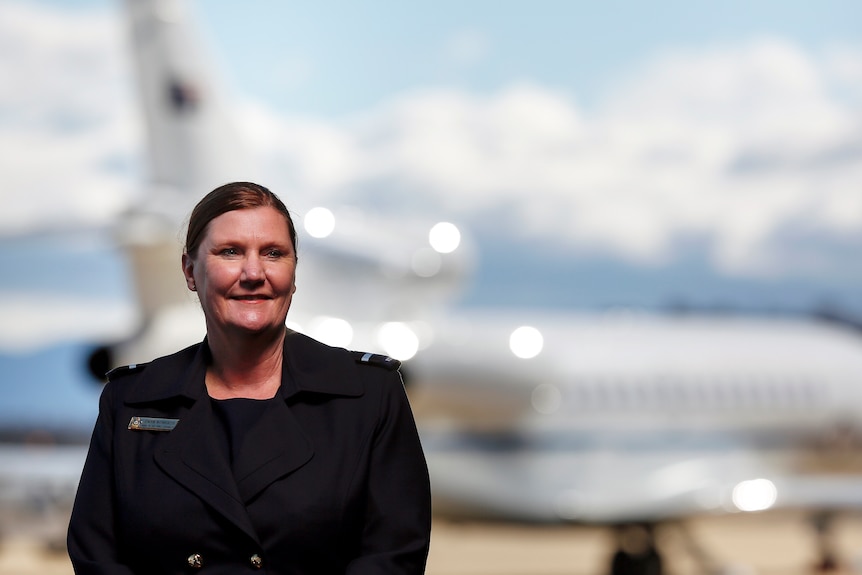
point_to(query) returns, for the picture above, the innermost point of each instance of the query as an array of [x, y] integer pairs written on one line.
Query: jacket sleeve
[[397, 529], [91, 539]]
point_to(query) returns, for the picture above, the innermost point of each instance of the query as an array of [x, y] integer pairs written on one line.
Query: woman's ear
[[188, 271]]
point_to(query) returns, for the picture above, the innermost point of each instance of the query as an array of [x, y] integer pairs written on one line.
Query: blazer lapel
[[191, 454], [275, 447], [277, 444], [192, 457]]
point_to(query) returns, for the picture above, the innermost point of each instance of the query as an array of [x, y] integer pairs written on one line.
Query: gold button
[[195, 560], [256, 561]]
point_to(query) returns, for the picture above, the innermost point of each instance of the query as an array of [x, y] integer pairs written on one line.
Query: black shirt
[[236, 417]]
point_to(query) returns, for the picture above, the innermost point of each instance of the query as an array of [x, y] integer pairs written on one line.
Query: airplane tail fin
[[192, 147]]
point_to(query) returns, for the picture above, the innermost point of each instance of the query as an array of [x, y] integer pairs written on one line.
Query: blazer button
[[195, 560], [256, 561]]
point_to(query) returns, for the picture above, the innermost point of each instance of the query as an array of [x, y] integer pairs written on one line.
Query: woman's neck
[[245, 367]]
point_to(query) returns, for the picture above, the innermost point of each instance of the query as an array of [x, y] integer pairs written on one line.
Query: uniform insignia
[[376, 359], [124, 370], [138, 423]]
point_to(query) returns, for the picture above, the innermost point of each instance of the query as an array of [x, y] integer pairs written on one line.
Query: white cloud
[[737, 146], [66, 125]]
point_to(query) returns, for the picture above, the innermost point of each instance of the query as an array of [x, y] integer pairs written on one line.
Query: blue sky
[[600, 153], [351, 56]]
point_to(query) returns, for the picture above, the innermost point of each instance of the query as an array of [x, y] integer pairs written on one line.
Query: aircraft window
[[711, 392], [590, 396], [766, 392], [699, 392], [667, 391], [741, 393], [627, 394], [683, 393], [596, 393], [813, 393], [640, 394], [781, 396], [721, 394], [613, 394], [575, 395], [795, 392], [777, 395], [754, 394]]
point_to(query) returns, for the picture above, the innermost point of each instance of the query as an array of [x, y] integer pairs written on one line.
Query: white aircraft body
[[641, 417], [531, 416]]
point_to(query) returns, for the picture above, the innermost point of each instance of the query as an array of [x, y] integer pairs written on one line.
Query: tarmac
[[778, 543]]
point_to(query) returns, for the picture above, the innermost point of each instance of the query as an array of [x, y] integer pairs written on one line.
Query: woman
[[259, 448]]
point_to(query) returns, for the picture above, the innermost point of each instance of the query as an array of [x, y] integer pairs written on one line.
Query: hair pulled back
[[227, 198]]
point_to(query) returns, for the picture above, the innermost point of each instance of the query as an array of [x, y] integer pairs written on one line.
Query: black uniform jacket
[[332, 479]]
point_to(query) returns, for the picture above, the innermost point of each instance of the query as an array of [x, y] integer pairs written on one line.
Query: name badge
[[152, 423]]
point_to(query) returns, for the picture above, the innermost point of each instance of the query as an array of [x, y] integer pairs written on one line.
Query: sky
[[599, 153]]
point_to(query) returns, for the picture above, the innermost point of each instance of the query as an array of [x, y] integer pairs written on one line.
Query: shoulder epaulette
[[124, 370], [376, 359]]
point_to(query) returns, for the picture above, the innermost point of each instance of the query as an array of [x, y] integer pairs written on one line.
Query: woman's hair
[[227, 198]]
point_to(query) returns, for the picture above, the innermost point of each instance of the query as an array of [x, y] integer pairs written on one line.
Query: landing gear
[[636, 552], [827, 560]]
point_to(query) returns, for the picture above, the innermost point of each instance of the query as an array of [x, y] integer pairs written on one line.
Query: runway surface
[[780, 543]]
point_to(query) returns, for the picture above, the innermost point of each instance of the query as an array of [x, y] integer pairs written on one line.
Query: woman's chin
[[252, 328]]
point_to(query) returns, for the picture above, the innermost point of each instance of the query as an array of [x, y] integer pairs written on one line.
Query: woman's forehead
[[264, 222]]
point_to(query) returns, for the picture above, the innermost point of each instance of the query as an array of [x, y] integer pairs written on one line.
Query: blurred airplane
[[548, 417], [626, 418]]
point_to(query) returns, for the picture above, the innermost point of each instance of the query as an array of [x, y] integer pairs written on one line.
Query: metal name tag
[[152, 423]]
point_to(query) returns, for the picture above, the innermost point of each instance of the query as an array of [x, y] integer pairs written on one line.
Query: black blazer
[[336, 482]]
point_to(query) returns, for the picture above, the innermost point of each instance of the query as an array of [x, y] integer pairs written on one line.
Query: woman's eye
[[274, 253], [229, 252]]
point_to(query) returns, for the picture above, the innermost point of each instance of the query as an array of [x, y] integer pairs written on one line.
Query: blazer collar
[[182, 374], [317, 368], [308, 366]]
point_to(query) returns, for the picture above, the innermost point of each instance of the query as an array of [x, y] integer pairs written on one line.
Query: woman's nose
[[252, 270]]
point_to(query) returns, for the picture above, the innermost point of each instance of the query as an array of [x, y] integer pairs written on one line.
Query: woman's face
[[244, 272]]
